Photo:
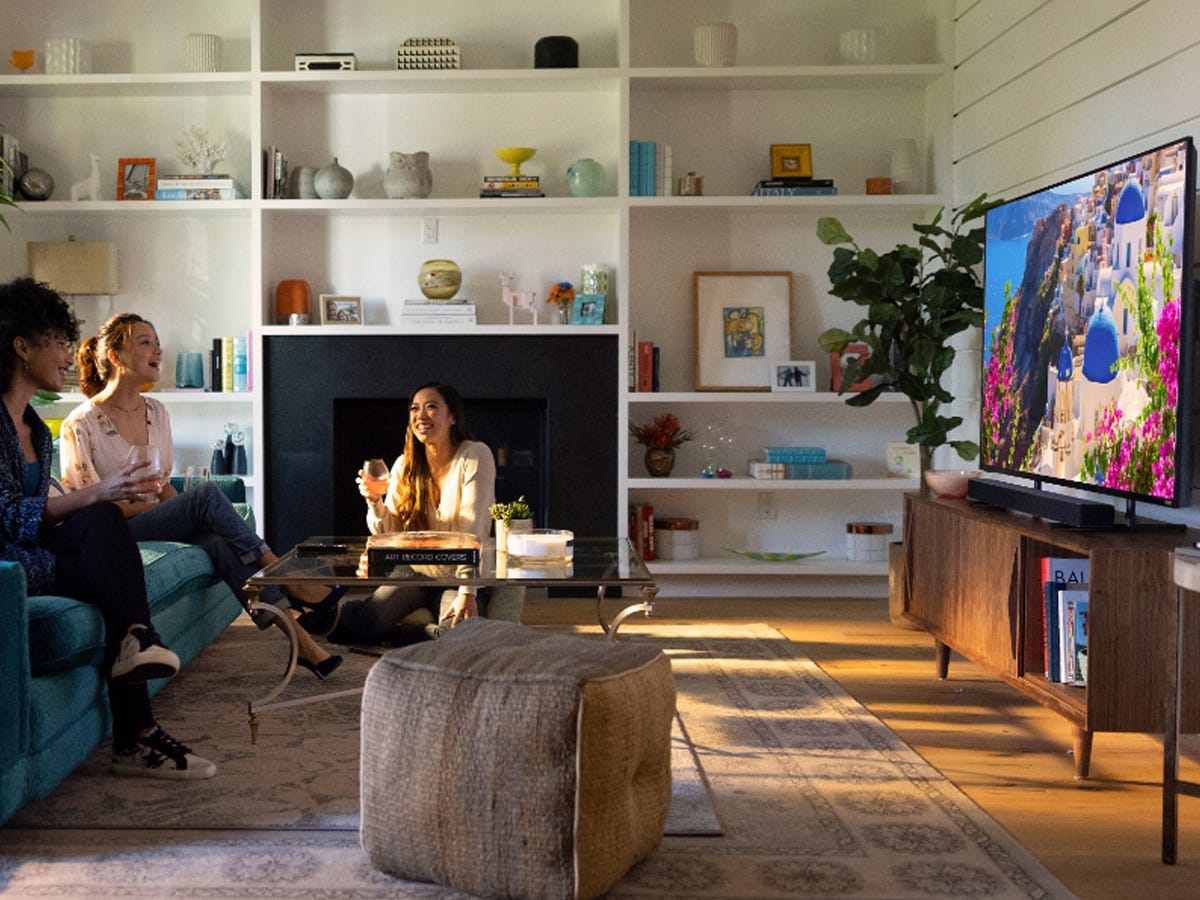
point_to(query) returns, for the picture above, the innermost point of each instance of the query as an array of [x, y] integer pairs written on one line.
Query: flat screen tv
[[1088, 289]]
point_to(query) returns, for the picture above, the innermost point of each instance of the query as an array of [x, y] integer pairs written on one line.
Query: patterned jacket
[[21, 516]]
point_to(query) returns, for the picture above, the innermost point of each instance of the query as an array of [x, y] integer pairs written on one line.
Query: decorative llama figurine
[[88, 188], [515, 300]]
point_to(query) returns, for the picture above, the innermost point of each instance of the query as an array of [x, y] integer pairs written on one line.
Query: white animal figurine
[[515, 300], [88, 188]]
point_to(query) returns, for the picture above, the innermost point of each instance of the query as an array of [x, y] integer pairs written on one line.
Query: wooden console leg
[[942, 658], [1081, 740]]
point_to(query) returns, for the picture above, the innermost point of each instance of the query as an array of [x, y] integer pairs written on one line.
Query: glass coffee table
[[600, 563]]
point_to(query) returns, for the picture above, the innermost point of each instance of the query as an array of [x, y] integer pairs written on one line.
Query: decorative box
[[867, 541], [428, 53], [676, 538]]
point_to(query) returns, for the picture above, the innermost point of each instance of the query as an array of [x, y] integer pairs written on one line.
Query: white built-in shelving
[[205, 269]]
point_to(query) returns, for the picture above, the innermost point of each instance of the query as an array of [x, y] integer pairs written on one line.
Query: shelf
[[746, 483], [166, 84], [134, 207], [433, 206], [449, 81], [820, 203], [786, 78], [733, 565], [473, 330], [753, 397]]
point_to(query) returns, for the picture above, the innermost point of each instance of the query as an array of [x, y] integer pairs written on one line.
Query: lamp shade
[[291, 298], [74, 267]]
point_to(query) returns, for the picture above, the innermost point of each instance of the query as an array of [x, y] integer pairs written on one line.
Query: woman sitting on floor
[[96, 438]]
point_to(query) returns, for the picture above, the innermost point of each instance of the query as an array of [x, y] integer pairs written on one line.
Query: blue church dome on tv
[[1066, 363], [1131, 206], [1100, 350]]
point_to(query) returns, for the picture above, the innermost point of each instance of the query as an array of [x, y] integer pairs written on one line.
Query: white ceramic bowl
[[950, 483]]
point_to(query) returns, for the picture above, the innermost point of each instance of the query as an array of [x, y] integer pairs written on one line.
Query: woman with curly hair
[[78, 544]]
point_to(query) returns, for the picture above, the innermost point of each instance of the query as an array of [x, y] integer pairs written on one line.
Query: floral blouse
[[92, 448]]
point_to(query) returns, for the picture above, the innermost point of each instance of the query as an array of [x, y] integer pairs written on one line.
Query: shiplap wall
[[1047, 89]]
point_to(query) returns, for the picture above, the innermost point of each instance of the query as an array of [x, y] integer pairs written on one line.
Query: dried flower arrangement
[[664, 432]]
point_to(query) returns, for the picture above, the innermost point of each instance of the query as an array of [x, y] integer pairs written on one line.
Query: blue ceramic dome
[[1101, 349], [1066, 363], [1131, 206]]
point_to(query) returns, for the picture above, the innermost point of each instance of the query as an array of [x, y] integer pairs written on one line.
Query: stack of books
[[437, 313], [198, 187], [229, 365], [511, 186], [798, 464], [794, 187], [650, 165]]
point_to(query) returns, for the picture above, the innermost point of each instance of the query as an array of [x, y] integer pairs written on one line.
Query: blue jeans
[[205, 517]]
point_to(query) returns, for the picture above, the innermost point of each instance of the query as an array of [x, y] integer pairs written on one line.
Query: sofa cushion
[[65, 633]]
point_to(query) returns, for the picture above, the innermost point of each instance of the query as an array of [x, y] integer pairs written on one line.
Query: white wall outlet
[[429, 230], [766, 506]]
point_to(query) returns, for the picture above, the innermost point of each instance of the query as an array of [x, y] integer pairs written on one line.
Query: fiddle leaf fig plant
[[914, 300]]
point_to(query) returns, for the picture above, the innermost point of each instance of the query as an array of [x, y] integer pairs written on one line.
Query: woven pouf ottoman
[[502, 761]]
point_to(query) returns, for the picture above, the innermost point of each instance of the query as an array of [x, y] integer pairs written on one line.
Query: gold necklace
[[137, 408]]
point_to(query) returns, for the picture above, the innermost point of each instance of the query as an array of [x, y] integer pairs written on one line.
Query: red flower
[[662, 433]]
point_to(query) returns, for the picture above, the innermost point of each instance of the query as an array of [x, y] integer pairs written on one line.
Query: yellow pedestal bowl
[[514, 156]]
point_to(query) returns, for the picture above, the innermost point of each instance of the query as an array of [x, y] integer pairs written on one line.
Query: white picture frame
[[794, 375], [743, 321]]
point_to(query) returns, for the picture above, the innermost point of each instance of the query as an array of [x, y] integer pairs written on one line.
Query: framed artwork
[[838, 363], [337, 309], [743, 321], [791, 160], [588, 309], [135, 179], [794, 375]]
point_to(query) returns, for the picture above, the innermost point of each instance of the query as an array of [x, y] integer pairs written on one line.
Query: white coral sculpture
[[200, 150]]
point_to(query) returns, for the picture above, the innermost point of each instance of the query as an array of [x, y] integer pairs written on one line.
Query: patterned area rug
[[816, 797]]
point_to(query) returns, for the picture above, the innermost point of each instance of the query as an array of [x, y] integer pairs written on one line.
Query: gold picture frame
[[340, 309], [791, 160], [743, 322]]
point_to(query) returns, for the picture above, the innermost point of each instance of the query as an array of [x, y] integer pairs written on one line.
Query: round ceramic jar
[[585, 178], [439, 279], [676, 537], [715, 44], [333, 182]]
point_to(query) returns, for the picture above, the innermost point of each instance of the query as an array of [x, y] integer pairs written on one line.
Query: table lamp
[[73, 267]]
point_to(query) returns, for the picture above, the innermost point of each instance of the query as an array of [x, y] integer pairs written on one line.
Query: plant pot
[[660, 461]]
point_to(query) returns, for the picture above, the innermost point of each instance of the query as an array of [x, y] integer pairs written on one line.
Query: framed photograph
[[838, 363], [135, 179], [588, 309], [743, 321], [791, 160], [794, 375], [337, 309]]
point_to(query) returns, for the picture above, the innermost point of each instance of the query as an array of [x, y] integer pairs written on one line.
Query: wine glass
[[149, 468], [375, 476]]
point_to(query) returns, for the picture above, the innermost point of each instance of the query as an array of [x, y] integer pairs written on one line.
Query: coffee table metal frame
[[603, 562]]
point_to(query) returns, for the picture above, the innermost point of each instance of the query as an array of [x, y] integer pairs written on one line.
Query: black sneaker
[[158, 755], [142, 656]]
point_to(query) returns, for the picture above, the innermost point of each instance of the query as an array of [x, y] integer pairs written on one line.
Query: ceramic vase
[[439, 279], [585, 178], [906, 168], [660, 461], [715, 44], [302, 183], [68, 56], [292, 301], [408, 176], [333, 182], [202, 53]]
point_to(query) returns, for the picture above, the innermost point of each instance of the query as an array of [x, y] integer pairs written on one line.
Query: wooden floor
[[1101, 836]]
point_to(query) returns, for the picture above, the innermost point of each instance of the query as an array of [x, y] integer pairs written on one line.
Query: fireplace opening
[[515, 430]]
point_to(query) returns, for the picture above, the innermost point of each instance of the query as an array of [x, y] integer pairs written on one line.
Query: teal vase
[[585, 178]]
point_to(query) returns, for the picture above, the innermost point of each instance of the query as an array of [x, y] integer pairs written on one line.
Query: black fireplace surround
[[570, 382]]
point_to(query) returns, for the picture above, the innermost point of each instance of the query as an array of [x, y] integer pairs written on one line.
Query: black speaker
[[1043, 504]]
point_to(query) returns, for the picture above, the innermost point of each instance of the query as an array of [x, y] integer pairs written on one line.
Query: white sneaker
[[142, 656], [158, 755]]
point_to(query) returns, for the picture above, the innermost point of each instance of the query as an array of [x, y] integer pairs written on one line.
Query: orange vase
[[292, 302]]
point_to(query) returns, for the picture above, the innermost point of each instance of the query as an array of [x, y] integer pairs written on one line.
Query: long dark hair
[[34, 311], [417, 490], [95, 368]]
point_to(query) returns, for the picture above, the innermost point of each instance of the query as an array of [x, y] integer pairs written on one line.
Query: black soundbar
[[1044, 504]]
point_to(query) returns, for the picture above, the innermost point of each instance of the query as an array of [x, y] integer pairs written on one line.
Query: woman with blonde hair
[[96, 438]]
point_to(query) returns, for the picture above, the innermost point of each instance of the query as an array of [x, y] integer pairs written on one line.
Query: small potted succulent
[[660, 438], [512, 516]]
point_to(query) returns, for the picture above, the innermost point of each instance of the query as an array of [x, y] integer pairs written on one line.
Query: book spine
[[654, 382], [227, 364], [660, 168], [204, 182], [795, 191], [511, 185], [645, 366], [439, 321], [833, 469], [216, 381], [196, 194], [240, 365], [648, 169]]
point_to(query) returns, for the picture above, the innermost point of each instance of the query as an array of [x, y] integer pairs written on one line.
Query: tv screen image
[[1088, 288]]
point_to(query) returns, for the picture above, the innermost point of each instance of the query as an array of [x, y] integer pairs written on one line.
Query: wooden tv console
[[973, 581]]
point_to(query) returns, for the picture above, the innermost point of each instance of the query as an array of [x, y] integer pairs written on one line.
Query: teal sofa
[[53, 700]]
